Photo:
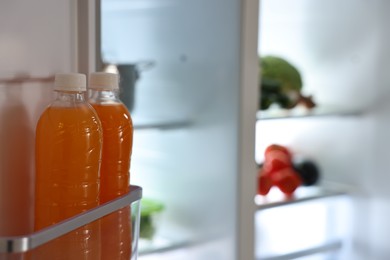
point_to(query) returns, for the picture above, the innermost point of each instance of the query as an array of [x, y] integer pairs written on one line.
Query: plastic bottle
[[68, 155], [115, 168]]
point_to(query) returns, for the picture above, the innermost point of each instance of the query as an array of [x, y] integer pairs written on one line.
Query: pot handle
[[145, 65], [138, 66]]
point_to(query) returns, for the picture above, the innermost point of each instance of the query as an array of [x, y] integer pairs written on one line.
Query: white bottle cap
[[103, 81], [70, 82]]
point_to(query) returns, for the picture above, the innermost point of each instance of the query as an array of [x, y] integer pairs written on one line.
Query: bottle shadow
[[16, 168]]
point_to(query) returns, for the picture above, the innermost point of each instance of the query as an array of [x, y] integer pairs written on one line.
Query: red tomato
[[276, 160], [264, 183], [277, 147], [287, 180]]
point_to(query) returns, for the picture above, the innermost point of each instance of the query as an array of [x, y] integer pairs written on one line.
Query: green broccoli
[[281, 83], [278, 69], [149, 208]]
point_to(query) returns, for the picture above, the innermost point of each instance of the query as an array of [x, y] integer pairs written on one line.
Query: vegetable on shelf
[[264, 183], [149, 209], [279, 170], [277, 147], [287, 180], [281, 83], [308, 171], [277, 158]]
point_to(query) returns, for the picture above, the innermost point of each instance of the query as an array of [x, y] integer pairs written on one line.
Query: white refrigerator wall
[[36, 39], [195, 46], [341, 48]]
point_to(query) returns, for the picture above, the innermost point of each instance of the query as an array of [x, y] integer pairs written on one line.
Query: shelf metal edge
[[285, 114], [162, 125], [19, 244]]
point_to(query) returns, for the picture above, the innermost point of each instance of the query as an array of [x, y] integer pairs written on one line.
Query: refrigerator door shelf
[[21, 244]]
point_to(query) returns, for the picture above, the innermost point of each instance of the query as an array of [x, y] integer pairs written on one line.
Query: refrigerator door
[[38, 39]]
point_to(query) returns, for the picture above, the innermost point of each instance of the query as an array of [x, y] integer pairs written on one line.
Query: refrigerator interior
[[340, 48], [186, 117]]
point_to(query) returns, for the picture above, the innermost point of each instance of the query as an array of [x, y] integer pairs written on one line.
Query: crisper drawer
[[109, 231]]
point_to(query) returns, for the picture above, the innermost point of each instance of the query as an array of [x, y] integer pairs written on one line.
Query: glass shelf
[[299, 112], [276, 198]]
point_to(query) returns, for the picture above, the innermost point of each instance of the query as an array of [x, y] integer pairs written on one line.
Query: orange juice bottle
[[68, 155], [115, 167]]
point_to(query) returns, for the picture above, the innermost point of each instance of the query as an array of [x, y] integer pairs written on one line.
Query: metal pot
[[128, 76]]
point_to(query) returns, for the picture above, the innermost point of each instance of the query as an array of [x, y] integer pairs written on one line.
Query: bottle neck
[[70, 96], [103, 96]]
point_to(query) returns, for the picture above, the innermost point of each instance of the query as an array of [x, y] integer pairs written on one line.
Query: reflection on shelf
[[321, 249], [276, 198], [159, 244], [299, 112]]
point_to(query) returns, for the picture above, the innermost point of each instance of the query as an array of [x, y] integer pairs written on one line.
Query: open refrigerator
[[198, 132]]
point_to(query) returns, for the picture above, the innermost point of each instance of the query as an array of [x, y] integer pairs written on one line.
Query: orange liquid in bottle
[[115, 177], [117, 149], [68, 154]]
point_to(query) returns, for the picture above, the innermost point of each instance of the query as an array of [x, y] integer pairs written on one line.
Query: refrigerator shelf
[[320, 111], [276, 198], [21, 244], [144, 124]]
